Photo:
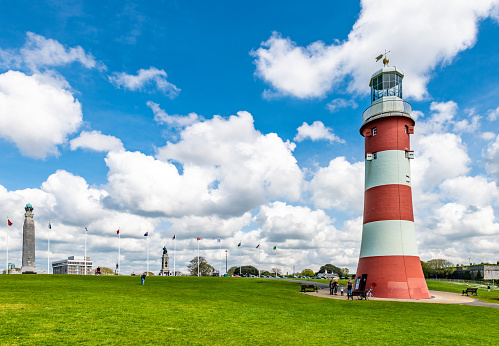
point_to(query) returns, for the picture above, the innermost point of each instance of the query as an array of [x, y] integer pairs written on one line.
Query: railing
[[484, 282], [406, 109]]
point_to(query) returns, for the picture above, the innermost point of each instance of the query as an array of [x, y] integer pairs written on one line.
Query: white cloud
[[37, 112], [493, 114], [448, 27], [249, 166], [340, 185], [439, 156], [161, 117], [317, 131], [41, 51], [143, 78], [336, 104], [95, 140], [491, 158], [488, 136], [476, 191]]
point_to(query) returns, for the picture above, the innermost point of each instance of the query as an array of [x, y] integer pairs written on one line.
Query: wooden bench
[[471, 290], [360, 294], [304, 288]]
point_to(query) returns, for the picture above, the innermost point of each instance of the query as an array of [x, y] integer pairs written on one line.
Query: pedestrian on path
[[349, 289], [488, 287], [143, 278]]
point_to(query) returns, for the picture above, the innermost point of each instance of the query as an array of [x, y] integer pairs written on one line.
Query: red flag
[[118, 232], [199, 238], [9, 223]]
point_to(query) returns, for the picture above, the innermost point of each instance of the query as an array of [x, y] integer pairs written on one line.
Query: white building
[[73, 265]]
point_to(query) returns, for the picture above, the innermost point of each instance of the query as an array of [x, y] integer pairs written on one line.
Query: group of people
[[333, 287]]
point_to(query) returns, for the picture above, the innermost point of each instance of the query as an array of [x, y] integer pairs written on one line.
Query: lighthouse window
[[386, 84], [374, 131], [375, 156]]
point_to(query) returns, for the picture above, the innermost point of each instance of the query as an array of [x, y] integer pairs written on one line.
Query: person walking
[[488, 287], [349, 289], [143, 278]]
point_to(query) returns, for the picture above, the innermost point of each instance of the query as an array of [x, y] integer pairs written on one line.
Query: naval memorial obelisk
[[28, 266]]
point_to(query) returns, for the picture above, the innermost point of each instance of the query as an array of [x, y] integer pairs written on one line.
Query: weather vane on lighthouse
[[385, 60]]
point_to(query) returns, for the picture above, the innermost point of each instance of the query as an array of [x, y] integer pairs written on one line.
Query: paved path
[[437, 297]]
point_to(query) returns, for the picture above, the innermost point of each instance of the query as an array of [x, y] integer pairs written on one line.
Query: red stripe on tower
[[389, 261]]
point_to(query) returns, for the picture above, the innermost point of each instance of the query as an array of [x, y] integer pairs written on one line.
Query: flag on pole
[[173, 237], [239, 244], [275, 247], [218, 240], [258, 246], [198, 238], [86, 229], [146, 234], [118, 232], [9, 223], [50, 226]]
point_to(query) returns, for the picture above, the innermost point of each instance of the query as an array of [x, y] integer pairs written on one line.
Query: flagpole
[[240, 262], [174, 250], [147, 271], [275, 263], [48, 251], [119, 252], [220, 255], [198, 255], [259, 260], [7, 267], [85, 253]]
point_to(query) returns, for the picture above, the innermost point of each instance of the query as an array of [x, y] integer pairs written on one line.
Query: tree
[[149, 273], [478, 276], [467, 275], [250, 270], [231, 270], [266, 273], [344, 272], [204, 268], [331, 269], [106, 271], [276, 271], [438, 268], [307, 272]]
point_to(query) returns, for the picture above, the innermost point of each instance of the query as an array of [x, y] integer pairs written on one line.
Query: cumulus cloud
[[336, 104], [161, 117], [493, 114], [95, 140], [39, 51], [339, 185], [37, 112], [466, 190], [491, 158], [317, 131], [448, 27], [144, 78]]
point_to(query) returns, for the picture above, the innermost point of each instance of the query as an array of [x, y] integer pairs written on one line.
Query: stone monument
[[28, 266], [165, 263]]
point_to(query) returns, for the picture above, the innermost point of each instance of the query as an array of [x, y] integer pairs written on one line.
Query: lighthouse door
[[363, 282]]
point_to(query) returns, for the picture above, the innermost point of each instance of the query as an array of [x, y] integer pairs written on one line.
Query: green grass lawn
[[63, 309], [458, 287]]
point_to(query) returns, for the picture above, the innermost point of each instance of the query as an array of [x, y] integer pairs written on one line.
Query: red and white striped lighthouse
[[389, 262]]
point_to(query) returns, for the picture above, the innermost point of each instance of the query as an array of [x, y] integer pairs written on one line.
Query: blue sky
[[240, 121]]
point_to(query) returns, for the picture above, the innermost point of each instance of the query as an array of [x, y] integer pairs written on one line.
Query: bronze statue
[[165, 251]]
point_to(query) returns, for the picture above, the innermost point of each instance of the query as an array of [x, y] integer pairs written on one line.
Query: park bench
[[304, 288], [360, 294], [471, 290]]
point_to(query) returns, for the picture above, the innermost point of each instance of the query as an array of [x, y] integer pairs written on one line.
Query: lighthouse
[[389, 261]]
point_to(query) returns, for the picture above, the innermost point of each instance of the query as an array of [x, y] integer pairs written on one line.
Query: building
[[487, 271], [389, 261], [73, 265]]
